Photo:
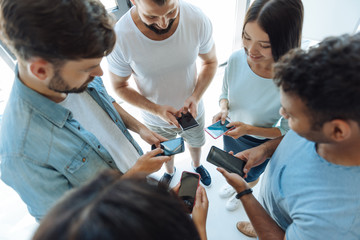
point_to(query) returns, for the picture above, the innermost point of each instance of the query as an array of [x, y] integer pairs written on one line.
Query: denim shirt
[[44, 152]]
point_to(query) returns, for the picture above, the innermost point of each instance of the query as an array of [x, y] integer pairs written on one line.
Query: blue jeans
[[241, 144]]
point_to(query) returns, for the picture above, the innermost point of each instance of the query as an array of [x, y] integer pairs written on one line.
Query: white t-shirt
[[164, 71], [95, 120], [252, 99]]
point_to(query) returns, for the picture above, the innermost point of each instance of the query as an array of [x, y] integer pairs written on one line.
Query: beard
[[153, 28], [58, 84]]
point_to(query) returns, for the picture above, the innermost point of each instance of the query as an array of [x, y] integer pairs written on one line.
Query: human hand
[[168, 114], [151, 137], [149, 162], [190, 105], [200, 210], [222, 115], [253, 157], [240, 129], [237, 182]]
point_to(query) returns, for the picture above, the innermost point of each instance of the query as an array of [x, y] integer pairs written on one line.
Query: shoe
[[226, 191], [204, 175], [166, 178], [247, 229], [233, 203]]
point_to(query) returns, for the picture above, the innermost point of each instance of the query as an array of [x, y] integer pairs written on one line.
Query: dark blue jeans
[[241, 144]]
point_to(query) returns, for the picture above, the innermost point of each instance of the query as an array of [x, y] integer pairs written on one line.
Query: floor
[[16, 223]]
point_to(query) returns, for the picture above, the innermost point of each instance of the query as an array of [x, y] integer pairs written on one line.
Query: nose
[[252, 48], [283, 113], [163, 22], [97, 71]]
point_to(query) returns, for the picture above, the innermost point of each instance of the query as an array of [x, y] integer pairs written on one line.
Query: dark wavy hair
[[282, 20], [56, 30], [326, 78], [110, 207]]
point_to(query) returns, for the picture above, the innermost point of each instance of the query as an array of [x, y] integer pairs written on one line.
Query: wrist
[[243, 193]]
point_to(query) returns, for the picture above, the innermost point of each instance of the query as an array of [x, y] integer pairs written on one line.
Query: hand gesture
[[151, 137], [149, 163], [200, 210], [168, 114], [239, 130], [253, 157], [190, 105], [237, 182], [222, 115]]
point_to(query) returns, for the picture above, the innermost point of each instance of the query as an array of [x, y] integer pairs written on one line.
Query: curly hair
[[111, 207], [56, 30], [326, 78]]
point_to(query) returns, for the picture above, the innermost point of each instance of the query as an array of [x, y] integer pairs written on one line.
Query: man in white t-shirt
[[158, 42]]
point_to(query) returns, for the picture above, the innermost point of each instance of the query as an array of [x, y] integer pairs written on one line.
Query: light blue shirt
[[44, 152], [309, 197], [253, 100]]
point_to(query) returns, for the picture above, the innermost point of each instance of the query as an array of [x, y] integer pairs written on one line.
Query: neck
[[263, 69], [346, 154], [39, 86]]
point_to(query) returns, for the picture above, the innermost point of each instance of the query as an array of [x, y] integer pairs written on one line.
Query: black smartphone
[[171, 147], [225, 160], [218, 129], [189, 183], [187, 121]]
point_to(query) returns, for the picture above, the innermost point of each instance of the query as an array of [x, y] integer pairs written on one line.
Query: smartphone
[[189, 183], [187, 121], [217, 129], [171, 147], [225, 160]]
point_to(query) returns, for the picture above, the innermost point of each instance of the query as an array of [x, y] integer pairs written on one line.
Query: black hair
[[325, 78], [111, 207], [282, 20]]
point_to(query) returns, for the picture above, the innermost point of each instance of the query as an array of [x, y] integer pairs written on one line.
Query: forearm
[[263, 132], [264, 225], [271, 145], [131, 96], [130, 122]]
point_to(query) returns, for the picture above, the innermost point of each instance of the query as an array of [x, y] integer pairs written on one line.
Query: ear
[[338, 130], [40, 69]]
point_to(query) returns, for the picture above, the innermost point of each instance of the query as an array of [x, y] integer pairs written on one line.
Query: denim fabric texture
[[44, 152]]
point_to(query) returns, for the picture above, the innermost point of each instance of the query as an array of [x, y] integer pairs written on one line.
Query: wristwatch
[[246, 191]]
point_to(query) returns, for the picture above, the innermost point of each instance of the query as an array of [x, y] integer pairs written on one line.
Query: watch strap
[[246, 191]]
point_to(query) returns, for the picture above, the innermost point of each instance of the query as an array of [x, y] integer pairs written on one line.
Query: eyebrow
[[92, 67], [248, 36]]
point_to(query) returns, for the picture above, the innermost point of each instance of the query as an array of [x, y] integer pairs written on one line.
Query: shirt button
[[84, 159], [98, 146], [79, 127], [110, 161], [116, 120]]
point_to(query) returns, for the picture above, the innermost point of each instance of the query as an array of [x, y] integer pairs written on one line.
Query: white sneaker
[[233, 203], [226, 191]]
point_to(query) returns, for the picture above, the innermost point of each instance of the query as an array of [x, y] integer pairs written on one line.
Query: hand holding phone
[[189, 183], [171, 147], [186, 121], [218, 129], [225, 160]]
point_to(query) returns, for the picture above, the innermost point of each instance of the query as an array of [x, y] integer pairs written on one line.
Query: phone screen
[[188, 185], [171, 147], [187, 121], [217, 129]]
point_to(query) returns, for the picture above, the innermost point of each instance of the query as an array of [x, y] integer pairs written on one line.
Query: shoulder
[[193, 13]]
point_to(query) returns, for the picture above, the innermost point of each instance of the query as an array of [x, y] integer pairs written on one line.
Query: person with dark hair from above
[[60, 127], [114, 207], [311, 187], [249, 97], [158, 43]]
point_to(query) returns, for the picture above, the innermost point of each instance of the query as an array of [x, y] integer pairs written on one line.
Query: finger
[[176, 188], [223, 172], [161, 138], [223, 118], [173, 120], [155, 152], [193, 110], [204, 197]]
